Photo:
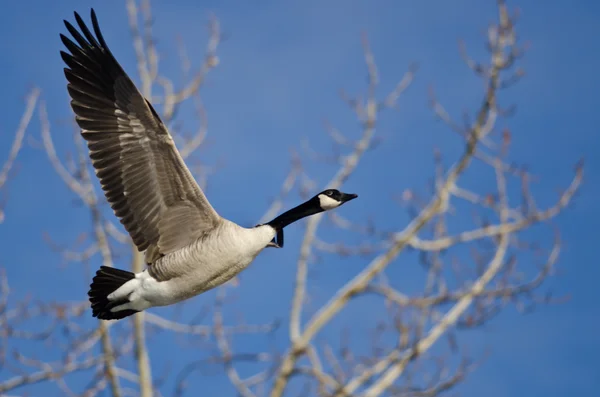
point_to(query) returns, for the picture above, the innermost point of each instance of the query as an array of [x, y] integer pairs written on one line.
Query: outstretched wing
[[143, 176]]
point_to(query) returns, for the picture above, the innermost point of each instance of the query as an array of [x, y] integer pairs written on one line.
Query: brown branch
[[204, 330], [225, 349], [15, 148], [68, 178], [507, 227], [479, 130], [286, 187], [141, 351], [395, 370], [49, 374], [299, 338], [139, 46], [172, 99], [91, 199]]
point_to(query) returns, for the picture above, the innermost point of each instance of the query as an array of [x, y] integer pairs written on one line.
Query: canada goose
[[188, 247]]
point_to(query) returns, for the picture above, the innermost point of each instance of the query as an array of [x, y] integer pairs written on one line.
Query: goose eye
[[329, 192]]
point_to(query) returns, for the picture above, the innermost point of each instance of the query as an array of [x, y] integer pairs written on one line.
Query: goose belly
[[214, 270], [208, 263]]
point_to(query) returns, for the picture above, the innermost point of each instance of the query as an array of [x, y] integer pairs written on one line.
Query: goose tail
[[107, 281]]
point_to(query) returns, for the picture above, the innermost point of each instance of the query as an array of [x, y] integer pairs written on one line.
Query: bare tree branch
[[471, 241], [430, 216], [15, 148]]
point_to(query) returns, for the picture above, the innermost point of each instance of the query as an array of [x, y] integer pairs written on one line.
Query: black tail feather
[[106, 281]]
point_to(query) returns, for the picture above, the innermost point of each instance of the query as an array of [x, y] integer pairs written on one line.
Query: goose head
[[332, 198], [324, 201]]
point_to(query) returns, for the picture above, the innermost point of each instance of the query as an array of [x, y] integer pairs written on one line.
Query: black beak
[[347, 197]]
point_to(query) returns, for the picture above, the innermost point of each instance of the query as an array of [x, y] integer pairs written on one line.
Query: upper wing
[[142, 174]]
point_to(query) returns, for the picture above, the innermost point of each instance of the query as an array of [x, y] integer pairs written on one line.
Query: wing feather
[[142, 174]]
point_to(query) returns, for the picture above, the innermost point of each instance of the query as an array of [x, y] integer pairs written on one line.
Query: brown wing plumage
[[143, 176]]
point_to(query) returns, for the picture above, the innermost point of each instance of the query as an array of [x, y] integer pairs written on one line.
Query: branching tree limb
[[17, 143], [471, 243], [382, 375]]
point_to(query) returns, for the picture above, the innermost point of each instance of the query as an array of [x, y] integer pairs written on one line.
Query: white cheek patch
[[327, 202]]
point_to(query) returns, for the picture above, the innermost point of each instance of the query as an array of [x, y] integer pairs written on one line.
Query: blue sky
[[281, 68]]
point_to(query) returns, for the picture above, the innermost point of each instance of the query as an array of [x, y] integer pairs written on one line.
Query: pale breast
[[212, 260]]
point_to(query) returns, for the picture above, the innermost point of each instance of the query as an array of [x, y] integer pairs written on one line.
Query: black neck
[[308, 208]]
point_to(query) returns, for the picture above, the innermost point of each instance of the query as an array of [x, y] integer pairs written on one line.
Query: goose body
[[189, 248], [198, 267]]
